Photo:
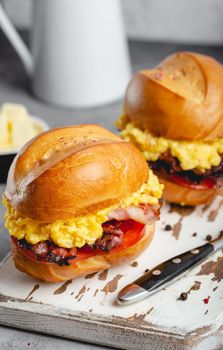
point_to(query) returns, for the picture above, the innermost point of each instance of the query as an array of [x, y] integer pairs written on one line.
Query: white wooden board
[[85, 309]]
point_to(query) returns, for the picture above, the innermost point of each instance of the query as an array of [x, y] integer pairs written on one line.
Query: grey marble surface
[[14, 87]]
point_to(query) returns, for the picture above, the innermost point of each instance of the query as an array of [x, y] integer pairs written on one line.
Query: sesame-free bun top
[[73, 171], [180, 99]]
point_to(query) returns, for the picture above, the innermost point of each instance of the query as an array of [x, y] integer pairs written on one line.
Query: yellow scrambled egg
[[191, 155], [78, 231]]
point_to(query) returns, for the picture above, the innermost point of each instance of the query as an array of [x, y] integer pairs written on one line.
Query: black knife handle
[[171, 269]]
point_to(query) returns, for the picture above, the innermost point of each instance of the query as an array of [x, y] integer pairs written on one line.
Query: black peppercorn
[[183, 296], [168, 228]]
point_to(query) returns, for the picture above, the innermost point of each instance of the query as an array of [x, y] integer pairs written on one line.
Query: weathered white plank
[[14, 339], [85, 309]]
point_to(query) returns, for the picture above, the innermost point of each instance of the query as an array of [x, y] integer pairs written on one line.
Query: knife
[[166, 273]]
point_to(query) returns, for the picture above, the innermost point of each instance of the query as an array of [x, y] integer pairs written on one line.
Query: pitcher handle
[[16, 41]]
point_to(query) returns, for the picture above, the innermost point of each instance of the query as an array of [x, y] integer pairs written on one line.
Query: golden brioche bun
[[180, 99], [72, 171], [51, 272], [175, 193]]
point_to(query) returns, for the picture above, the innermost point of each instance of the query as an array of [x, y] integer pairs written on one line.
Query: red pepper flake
[[206, 300]]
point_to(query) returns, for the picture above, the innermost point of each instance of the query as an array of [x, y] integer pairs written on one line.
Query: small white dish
[[7, 155]]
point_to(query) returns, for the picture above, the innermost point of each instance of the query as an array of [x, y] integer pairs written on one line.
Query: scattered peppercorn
[[183, 296], [147, 270], [208, 237], [194, 234], [168, 227]]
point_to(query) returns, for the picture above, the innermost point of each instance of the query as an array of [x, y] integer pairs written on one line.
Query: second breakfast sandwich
[[174, 115], [79, 199]]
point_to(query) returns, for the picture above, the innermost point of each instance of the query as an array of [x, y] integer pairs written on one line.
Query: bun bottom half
[[51, 272], [175, 193]]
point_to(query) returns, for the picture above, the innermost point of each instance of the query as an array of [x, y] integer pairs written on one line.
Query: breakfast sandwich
[[174, 115], [78, 200]]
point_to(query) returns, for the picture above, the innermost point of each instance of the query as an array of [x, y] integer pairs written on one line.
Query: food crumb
[[146, 270], [168, 227], [194, 234], [196, 285], [183, 296], [208, 237], [28, 344], [215, 288], [134, 264], [206, 312]]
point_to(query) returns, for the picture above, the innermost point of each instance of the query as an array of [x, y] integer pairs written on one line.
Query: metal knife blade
[[166, 273]]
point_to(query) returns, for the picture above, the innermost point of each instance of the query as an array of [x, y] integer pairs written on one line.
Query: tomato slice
[[205, 184], [133, 232], [84, 253]]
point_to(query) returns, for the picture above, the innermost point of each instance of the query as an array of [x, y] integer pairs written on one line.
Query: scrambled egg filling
[[78, 231], [191, 154]]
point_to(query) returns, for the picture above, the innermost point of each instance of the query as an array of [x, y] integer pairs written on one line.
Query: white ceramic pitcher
[[79, 51]]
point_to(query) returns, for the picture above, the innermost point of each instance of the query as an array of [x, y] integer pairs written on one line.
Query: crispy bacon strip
[[168, 166], [145, 214]]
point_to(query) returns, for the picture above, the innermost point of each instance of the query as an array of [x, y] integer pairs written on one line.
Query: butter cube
[[16, 126]]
